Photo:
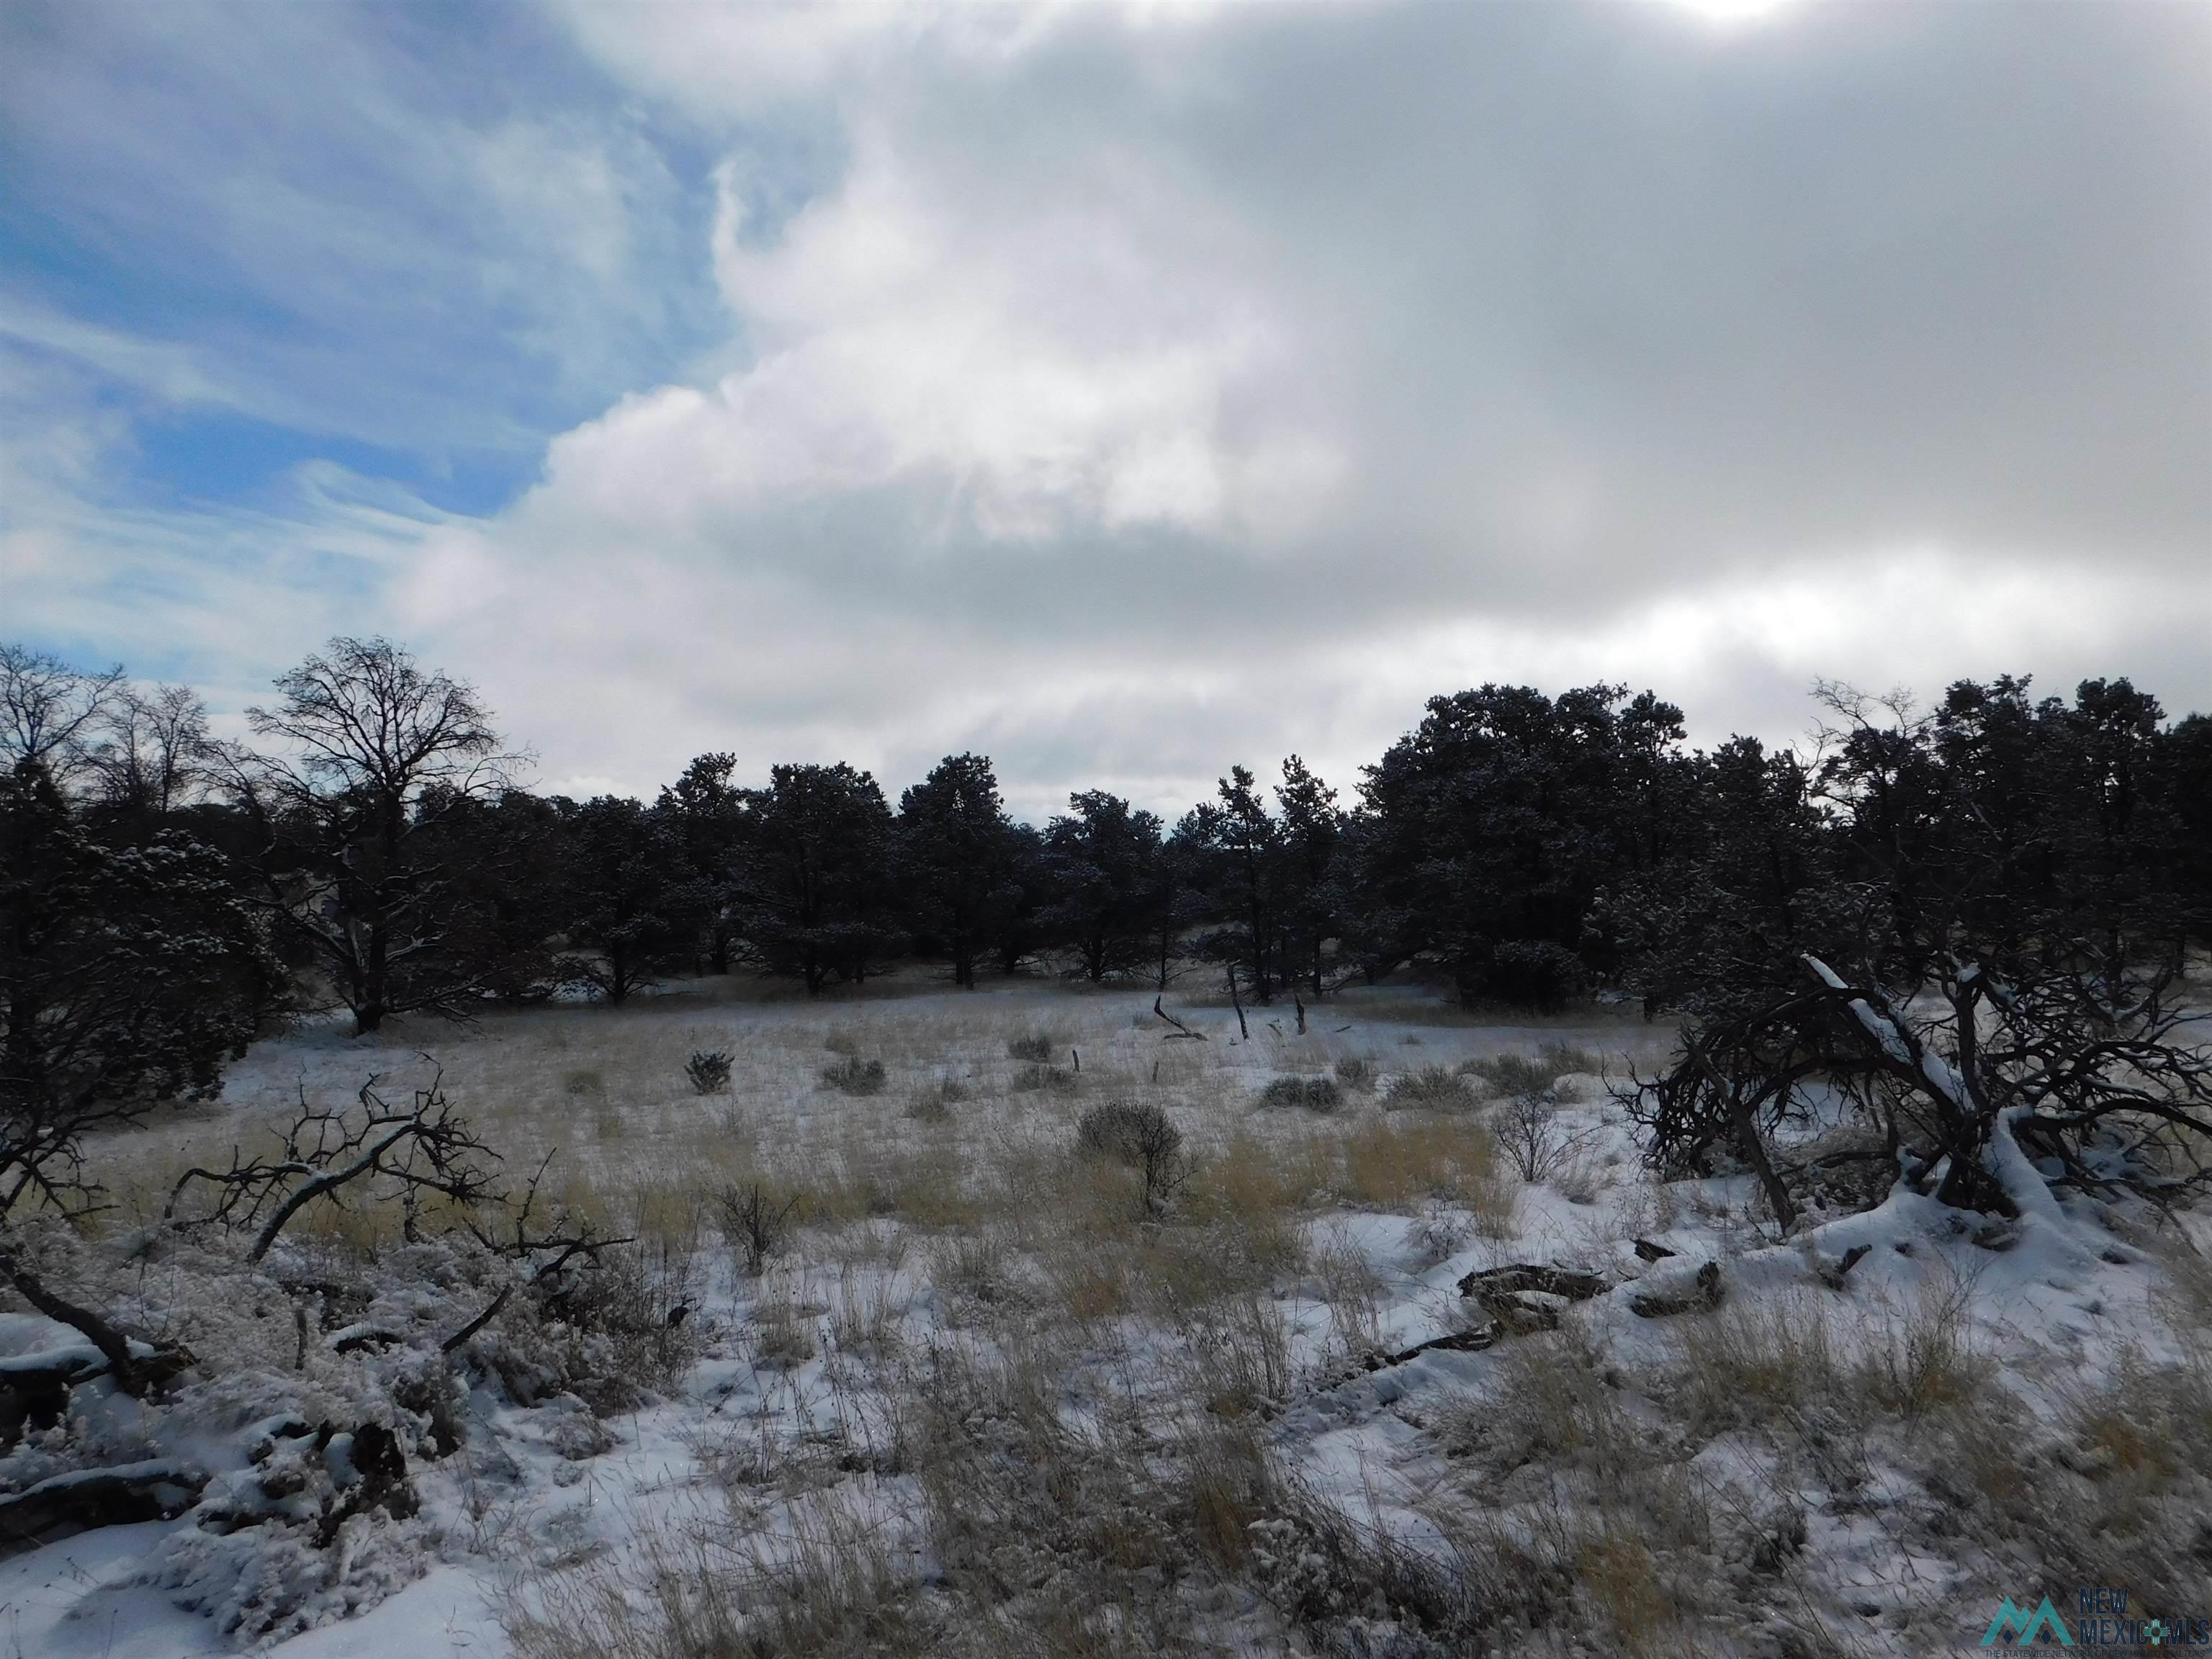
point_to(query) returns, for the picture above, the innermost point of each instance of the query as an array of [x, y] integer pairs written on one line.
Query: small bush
[[935, 1105], [1115, 1128], [1355, 1073], [1038, 1046], [1532, 1074], [1755, 1360], [756, 1223], [1527, 1127], [1056, 1080], [709, 1070], [1314, 1094], [786, 1331], [1434, 1086], [1141, 1135], [854, 1076]]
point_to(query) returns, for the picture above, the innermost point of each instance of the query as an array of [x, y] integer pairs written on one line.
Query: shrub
[[1431, 1086], [935, 1105], [1056, 1079], [1314, 1094], [709, 1070], [1531, 1074], [854, 1076], [1528, 1129], [756, 1223], [1038, 1046], [1141, 1135], [1924, 1355], [1356, 1072]]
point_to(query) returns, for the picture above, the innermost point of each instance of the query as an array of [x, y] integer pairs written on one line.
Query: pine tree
[[1109, 880], [623, 865], [956, 851], [815, 897]]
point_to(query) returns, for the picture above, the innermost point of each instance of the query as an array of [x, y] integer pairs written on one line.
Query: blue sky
[[1123, 391]]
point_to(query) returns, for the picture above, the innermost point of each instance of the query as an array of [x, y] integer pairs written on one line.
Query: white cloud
[[1126, 395]]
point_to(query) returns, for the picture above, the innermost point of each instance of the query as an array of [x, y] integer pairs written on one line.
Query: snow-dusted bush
[[709, 1070], [1313, 1094], [1432, 1086], [854, 1076]]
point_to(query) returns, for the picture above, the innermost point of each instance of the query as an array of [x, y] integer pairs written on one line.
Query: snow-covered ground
[[979, 1348]]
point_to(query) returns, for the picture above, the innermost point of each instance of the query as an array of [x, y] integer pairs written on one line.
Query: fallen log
[[157, 1489], [1506, 1293], [34, 1388], [1181, 1029], [1472, 1341], [1705, 1293]]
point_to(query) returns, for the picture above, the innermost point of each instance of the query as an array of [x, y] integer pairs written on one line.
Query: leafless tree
[[2092, 1065], [376, 752], [421, 1148], [48, 709], [153, 754]]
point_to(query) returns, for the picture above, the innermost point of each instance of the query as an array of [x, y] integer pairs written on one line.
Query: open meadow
[[1019, 1322]]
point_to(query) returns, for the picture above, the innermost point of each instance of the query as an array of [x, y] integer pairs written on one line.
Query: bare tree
[[48, 709], [154, 753], [421, 1148], [2087, 1064], [378, 751]]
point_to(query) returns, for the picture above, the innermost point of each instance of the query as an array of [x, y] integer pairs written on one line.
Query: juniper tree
[[623, 864], [706, 814], [127, 974]]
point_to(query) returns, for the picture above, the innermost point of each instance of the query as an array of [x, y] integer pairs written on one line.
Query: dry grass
[[1434, 1088], [1924, 1356], [1069, 1402], [1751, 1361]]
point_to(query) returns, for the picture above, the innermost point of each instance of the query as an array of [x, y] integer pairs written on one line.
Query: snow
[[544, 1481]]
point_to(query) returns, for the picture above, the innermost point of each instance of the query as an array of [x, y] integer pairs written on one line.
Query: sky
[[1121, 390]]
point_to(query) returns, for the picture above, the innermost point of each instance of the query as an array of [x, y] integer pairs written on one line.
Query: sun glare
[[1733, 14]]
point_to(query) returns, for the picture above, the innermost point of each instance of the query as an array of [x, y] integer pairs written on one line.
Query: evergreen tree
[[1108, 865], [1491, 829], [623, 864], [814, 897], [127, 974], [1234, 848], [508, 856], [1310, 827], [707, 816], [957, 851]]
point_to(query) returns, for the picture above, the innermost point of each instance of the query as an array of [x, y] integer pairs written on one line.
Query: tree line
[[166, 895]]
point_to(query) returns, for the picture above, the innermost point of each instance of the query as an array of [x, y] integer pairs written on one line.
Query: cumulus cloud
[[1126, 391]]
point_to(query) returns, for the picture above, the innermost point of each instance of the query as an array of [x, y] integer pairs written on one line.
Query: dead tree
[[424, 1148], [2070, 1056]]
